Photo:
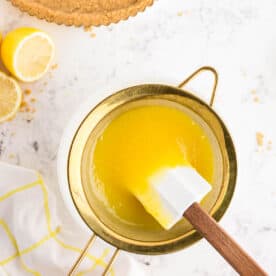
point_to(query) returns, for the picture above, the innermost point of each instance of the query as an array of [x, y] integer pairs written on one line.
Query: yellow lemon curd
[[137, 144]]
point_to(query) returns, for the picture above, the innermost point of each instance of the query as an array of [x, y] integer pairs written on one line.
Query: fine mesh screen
[[149, 234]]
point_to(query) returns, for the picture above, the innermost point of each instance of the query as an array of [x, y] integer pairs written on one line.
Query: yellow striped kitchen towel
[[34, 238]]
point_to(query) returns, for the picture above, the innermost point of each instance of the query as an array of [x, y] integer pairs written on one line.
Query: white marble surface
[[165, 44]]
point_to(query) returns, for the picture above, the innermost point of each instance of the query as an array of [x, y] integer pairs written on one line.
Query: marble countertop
[[164, 45]]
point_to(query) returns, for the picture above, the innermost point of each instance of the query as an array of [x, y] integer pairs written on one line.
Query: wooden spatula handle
[[222, 242]]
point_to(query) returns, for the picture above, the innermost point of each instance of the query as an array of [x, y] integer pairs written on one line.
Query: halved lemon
[[10, 97], [27, 53]]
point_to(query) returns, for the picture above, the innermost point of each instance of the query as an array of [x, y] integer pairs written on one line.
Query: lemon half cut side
[[10, 97], [27, 53]]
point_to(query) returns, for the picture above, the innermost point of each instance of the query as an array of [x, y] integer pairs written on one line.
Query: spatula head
[[171, 192]]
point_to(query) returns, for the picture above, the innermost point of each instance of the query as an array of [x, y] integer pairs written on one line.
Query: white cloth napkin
[[34, 239]]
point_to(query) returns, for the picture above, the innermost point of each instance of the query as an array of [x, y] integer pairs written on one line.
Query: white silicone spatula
[[175, 192]]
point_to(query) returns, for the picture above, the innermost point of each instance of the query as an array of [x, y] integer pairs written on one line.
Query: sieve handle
[[112, 260], [199, 71], [84, 253]]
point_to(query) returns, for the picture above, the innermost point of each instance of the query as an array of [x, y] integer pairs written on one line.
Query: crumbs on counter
[[88, 28], [23, 105], [54, 66], [11, 156], [27, 92], [26, 107], [26, 102], [186, 12], [259, 139], [256, 99]]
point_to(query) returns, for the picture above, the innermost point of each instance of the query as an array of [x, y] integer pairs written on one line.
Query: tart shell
[[97, 18]]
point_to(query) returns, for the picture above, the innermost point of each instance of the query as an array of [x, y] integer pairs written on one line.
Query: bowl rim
[[63, 161]]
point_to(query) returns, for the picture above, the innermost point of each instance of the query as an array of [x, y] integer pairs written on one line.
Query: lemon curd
[[135, 145]]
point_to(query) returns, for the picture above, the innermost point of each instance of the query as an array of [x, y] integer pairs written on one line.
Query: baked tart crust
[[82, 12]]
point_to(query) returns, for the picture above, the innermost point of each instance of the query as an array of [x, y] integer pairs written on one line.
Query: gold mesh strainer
[[91, 209]]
